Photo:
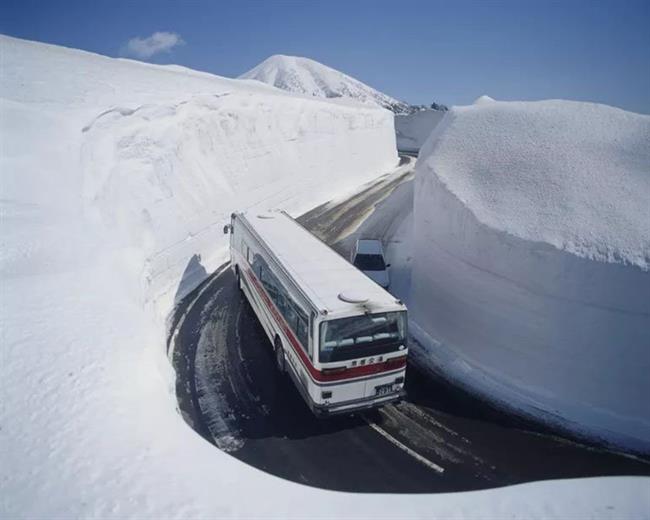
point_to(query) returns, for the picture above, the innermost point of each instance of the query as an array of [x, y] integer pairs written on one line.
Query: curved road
[[438, 439]]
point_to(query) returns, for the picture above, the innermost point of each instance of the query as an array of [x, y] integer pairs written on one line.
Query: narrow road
[[438, 440]]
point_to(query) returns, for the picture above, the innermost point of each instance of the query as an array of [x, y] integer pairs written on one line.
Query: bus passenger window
[[301, 332], [312, 318], [257, 265]]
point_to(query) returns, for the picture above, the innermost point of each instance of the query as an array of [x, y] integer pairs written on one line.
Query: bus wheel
[[279, 355]]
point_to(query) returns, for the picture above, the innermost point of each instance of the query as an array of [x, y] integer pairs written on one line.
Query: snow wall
[[530, 274], [160, 156], [177, 170], [413, 130]]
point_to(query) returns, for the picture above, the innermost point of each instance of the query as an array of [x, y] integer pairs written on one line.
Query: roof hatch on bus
[[351, 297]]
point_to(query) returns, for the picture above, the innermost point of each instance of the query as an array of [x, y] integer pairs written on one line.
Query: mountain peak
[[306, 76]]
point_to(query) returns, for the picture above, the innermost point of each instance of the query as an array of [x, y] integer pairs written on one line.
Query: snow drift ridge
[[573, 175]]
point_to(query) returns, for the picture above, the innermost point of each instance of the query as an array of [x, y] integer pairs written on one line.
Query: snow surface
[[116, 177], [308, 77], [530, 276], [573, 175], [412, 130]]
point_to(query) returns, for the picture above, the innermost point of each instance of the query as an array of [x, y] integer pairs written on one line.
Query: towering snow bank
[[162, 155], [530, 275], [412, 130], [305, 76], [117, 177], [178, 170]]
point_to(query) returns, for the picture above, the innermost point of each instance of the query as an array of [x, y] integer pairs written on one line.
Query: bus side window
[[293, 315], [312, 318], [280, 297], [267, 280], [302, 331], [312, 339], [257, 266]]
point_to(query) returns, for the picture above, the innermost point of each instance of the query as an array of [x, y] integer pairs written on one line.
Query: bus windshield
[[360, 336]]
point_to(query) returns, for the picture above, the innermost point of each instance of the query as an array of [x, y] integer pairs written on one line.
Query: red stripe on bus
[[360, 371]]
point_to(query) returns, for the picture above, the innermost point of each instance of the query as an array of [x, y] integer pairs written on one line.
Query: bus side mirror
[[227, 229]]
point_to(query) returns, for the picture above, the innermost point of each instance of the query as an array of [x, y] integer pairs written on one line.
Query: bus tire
[[238, 275], [279, 355]]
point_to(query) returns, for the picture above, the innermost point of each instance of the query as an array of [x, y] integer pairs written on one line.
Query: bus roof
[[321, 272]]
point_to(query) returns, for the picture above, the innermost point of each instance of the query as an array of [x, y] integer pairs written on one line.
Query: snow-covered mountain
[[305, 76]]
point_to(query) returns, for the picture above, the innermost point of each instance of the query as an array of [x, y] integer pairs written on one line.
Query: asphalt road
[[438, 440]]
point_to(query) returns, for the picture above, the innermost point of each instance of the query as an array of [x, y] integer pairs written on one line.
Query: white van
[[368, 257]]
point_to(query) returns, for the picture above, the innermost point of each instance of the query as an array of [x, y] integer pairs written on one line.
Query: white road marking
[[403, 447]]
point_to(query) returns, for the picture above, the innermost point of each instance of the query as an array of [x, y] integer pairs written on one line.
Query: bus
[[340, 337]]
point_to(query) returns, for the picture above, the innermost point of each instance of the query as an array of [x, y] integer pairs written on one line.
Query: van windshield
[[360, 336], [369, 262]]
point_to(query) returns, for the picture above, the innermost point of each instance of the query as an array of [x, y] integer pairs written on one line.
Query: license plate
[[384, 389]]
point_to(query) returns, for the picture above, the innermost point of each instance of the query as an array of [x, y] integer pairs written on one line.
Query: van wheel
[[279, 355]]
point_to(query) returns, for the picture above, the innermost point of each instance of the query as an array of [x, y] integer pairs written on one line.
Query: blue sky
[[449, 52]]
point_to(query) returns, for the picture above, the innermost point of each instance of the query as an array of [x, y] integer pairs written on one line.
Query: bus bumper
[[357, 405]]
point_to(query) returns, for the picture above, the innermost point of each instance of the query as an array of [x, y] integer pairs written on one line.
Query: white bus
[[339, 335]]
